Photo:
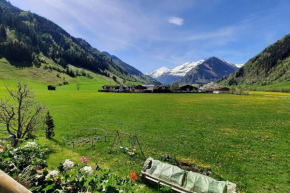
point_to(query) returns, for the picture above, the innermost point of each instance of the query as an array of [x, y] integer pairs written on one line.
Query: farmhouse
[[187, 89], [114, 88], [150, 88], [139, 88], [162, 89], [221, 90], [51, 87]]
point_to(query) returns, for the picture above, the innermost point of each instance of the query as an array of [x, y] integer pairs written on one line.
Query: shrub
[[49, 130], [27, 165]]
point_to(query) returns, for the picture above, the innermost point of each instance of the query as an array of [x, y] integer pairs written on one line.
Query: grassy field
[[243, 139], [276, 87]]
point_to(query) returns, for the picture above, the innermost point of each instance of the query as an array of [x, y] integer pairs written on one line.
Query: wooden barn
[[50, 87], [187, 89]]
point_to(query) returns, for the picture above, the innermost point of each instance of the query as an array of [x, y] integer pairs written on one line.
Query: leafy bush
[[27, 165], [23, 163]]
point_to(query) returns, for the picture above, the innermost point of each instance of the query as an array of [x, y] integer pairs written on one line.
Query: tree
[[3, 33], [19, 112], [174, 86], [49, 132], [115, 78]]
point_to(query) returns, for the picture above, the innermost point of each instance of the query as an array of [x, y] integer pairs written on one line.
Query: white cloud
[[176, 20]]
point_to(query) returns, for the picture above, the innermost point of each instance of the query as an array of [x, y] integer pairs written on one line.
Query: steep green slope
[[24, 36], [270, 66], [133, 71]]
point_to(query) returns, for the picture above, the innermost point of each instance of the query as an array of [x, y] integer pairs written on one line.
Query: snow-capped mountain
[[184, 68], [239, 65], [157, 73], [211, 70], [168, 77]]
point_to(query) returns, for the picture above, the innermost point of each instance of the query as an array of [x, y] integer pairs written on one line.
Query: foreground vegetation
[[243, 139], [27, 164]]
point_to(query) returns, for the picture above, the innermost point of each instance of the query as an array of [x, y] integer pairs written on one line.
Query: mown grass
[[244, 139]]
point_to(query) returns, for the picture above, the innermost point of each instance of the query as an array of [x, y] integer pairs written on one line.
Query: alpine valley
[[199, 72]]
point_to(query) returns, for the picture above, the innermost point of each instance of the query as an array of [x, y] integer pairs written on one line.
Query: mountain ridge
[[178, 72], [211, 70], [25, 36], [272, 65]]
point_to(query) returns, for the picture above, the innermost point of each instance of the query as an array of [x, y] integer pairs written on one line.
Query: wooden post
[[9, 185]]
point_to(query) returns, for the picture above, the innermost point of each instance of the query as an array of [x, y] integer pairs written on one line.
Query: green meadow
[[243, 139]]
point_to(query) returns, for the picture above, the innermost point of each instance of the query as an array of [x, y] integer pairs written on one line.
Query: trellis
[[84, 136]]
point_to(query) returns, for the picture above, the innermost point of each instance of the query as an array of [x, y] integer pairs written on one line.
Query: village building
[[150, 88], [221, 90], [50, 87], [123, 88], [139, 88], [110, 88], [114, 88], [162, 89], [187, 89]]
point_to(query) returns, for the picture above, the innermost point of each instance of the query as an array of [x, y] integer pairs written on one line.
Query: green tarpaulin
[[189, 181]]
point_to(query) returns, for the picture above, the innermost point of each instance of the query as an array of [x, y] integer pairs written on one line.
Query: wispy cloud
[[176, 21], [148, 34]]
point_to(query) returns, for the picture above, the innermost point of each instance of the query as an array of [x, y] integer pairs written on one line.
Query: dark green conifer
[[49, 130]]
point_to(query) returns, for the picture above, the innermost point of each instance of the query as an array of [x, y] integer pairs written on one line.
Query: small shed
[[221, 90], [50, 87]]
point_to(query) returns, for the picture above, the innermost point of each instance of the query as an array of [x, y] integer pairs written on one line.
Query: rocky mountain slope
[[166, 76], [180, 73], [210, 70]]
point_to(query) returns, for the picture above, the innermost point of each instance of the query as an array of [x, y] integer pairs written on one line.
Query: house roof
[[140, 87], [186, 87], [222, 89]]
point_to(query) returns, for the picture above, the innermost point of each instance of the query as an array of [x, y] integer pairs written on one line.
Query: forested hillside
[[25, 36], [270, 66]]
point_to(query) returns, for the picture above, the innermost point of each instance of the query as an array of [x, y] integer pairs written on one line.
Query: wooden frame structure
[[133, 140]]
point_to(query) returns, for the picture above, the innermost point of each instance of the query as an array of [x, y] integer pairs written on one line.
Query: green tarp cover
[[167, 172], [203, 184], [190, 181]]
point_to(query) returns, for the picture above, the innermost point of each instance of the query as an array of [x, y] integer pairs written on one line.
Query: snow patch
[[159, 72], [184, 68]]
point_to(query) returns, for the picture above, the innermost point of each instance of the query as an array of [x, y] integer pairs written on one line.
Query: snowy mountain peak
[[184, 68], [239, 65], [157, 73]]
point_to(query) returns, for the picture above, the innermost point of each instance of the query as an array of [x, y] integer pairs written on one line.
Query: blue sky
[[149, 34]]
